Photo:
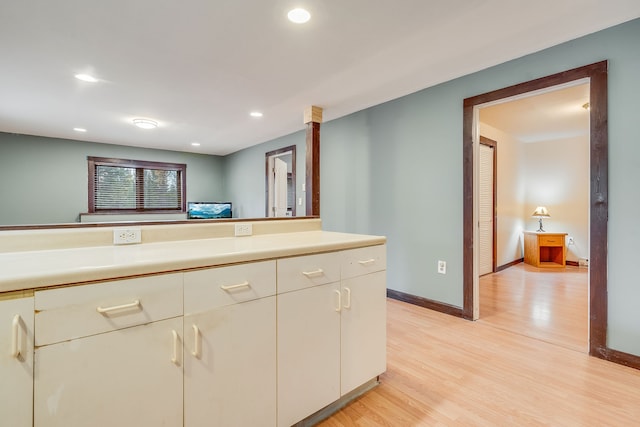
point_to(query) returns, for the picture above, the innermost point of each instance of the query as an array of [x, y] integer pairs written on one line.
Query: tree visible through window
[[120, 185]]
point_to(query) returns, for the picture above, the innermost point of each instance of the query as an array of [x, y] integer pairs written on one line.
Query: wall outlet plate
[[244, 229], [126, 236], [442, 267]]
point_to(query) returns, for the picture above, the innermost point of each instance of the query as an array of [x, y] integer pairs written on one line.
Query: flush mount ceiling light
[[145, 123], [255, 114], [80, 129], [86, 78], [298, 16], [195, 144]]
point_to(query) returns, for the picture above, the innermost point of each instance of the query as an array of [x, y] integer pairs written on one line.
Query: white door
[[486, 210], [129, 377], [280, 187], [363, 329], [231, 378], [16, 362], [308, 351]]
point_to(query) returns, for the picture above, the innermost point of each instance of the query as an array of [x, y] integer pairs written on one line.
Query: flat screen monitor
[[208, 210]]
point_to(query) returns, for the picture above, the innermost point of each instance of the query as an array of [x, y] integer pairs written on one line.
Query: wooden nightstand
[[542, 249]]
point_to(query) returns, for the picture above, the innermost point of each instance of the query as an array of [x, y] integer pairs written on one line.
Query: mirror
[[46, 177], [280, 176]]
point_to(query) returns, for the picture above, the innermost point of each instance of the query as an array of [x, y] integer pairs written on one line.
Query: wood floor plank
[[445, 371]]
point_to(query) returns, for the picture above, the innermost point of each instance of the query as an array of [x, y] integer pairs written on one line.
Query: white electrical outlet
[[126, 236], [442, 267], [244, 229], [570, 240]]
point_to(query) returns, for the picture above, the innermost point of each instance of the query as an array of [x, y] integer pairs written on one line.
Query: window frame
[[139, 165]]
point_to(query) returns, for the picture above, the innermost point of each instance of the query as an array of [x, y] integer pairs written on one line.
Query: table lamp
[[540, 212]]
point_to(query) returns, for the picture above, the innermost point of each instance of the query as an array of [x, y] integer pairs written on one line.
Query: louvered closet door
[[485, 258]]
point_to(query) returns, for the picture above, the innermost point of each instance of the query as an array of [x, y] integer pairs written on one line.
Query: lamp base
[[540, 230]]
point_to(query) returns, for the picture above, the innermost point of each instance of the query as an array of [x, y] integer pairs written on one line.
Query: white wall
[[557, 176]]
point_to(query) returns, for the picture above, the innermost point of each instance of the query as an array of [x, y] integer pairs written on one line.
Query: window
[[120, 185]]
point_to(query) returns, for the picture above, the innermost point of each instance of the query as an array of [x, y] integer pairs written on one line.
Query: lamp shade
[[541, 212]]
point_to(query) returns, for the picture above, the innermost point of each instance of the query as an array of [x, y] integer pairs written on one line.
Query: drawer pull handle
[[15, 335], [106, 310], [339, 305], [367, 262], [348, 304], [196, 341], [232, 287], [174, 355], [313, 273]]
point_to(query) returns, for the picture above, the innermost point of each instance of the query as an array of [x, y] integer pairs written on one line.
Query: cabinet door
[[16, 362], [363, 329], [308, 351], [128, 377], [230, 365]]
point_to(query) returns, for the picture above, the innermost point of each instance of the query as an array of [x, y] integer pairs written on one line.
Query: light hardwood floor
[[445, 371], [549, 304]]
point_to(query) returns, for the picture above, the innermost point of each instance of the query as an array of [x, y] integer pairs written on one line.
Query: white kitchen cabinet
[[16, 362], [363, 338], [117, 355], [308, 351], [230, 346], [331, 336]]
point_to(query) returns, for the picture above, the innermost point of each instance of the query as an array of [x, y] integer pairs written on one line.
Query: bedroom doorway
[[280, 182], [596, 75]]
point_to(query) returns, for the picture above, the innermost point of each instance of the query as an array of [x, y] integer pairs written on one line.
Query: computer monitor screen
[[207, 210]]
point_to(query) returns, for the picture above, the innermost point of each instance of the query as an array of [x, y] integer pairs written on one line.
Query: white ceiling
[[199, 67], [550, 116]]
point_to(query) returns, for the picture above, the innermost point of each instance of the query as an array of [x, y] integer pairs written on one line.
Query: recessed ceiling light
[[86, 78], [298, 16], [145, 123], [80, 129], [195, 144], [255, 114]]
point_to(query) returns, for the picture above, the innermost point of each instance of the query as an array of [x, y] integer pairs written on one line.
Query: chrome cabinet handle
[[106, 310], [232, 287]]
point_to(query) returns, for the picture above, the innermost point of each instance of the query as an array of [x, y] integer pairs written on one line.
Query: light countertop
[[45, 268]]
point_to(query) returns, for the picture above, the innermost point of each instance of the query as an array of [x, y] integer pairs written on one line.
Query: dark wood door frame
[[597, 75]]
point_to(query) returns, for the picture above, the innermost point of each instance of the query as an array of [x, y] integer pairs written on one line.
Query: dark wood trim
[[291, 148], [510, 264], [312, 196], [620, 357], [494, 144], [426, 303], [573, 263], [597, 75]]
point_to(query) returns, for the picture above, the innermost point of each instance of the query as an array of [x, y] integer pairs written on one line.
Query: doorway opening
[[280, 181], [544, 161], [596, 75]]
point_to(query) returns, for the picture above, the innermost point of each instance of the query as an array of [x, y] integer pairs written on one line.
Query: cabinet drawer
[[307, 271], [551, 240], [217, 287], [356, 262], [74, 312]]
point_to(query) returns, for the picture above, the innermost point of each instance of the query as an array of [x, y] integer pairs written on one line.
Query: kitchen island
[[212, 329]]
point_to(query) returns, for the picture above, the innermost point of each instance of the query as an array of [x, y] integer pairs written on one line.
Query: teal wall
[[62, 194], [245, 175], [396, 169]]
